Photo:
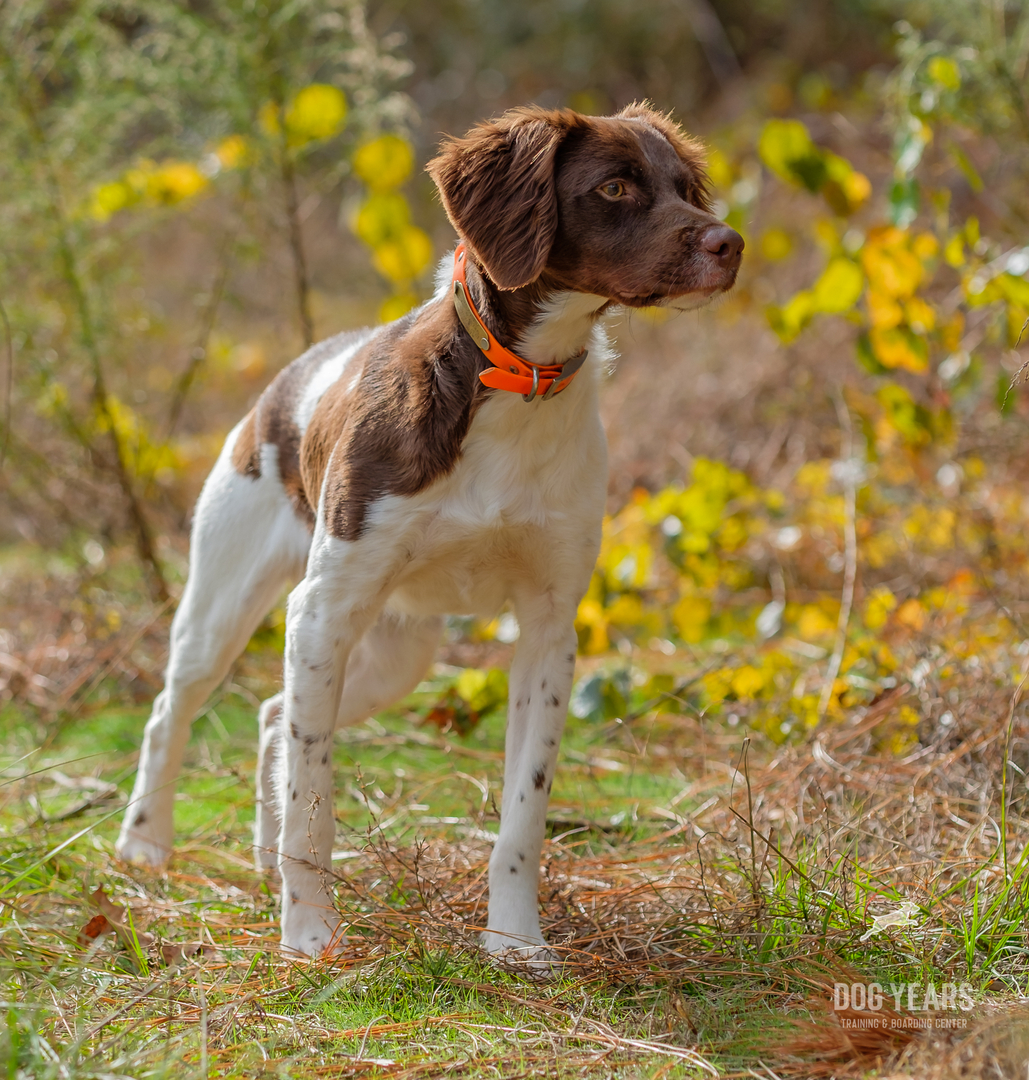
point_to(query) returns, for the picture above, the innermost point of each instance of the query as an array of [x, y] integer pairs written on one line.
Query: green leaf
[[904, 202], [867, 358], [602, 695], [839, 287]]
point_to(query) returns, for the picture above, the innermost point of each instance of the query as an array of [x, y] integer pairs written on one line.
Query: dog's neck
[[540, 322]]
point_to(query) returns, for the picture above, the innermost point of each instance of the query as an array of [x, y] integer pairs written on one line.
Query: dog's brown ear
[[498, 188]]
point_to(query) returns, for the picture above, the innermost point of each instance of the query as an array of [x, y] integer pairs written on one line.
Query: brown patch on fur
[[403, 425], [246, 454], [271, 421]]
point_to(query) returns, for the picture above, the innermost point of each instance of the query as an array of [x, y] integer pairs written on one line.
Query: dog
[[452, 461]]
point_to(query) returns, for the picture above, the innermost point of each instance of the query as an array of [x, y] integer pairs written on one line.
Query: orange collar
[[509, 371]]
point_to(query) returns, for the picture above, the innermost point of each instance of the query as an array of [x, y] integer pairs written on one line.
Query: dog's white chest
[[519, 493]]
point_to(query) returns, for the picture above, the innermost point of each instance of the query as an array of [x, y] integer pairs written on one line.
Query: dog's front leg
[[326, 615], [541, 680]]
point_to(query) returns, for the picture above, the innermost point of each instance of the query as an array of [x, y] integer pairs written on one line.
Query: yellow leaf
[[385, 162], [788, 321], [786, 148], [883, 310], [175, 181], [814, 623], [1014, 289], [775, 244], [232, 152], [268, 118], [954, 252], [718, 168], [857, 187], [911, 614], [890, 266], [316, 113], [898, 347], [925, 246], [921, 316], [878, 608], [839, 287], [747, 682], [944, 71], [109, 198], [690, 616], [952, 331]]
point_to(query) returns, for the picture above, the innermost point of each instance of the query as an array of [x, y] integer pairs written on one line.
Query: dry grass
[[698, 929]]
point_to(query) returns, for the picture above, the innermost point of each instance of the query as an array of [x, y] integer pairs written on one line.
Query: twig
[[1014, 378], [200, 350], [850, 553], [1015, 698], [8, 383]]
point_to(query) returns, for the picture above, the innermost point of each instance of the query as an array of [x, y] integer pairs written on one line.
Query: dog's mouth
[[686, 301]]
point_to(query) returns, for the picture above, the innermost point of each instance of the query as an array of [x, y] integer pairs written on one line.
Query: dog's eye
[[613, 189]]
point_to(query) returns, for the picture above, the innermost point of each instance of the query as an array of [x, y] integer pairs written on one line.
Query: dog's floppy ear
[[498, 188]]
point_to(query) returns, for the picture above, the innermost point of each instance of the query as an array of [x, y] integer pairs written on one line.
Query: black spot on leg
[[549, 786], [140, 819], [294, 795], [521, 856], [294, 897], [570, 658], [325, 758], [539, 778], [518, 703], [328, 681], [555, 700], [521, 796], [550, 742], [514, 869], [543, 685], [310, 740], [528, 700], [294, 731]]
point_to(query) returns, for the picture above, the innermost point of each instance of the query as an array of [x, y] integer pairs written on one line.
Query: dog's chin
[[691, 301]]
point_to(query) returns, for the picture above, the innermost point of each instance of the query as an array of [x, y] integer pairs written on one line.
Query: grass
[[707, 893]]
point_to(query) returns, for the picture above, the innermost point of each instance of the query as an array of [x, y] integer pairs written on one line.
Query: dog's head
[[616, 206]]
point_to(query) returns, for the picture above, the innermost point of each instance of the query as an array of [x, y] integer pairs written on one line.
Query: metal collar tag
[[509, 371]]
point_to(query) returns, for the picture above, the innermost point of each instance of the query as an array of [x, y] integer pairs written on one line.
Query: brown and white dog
[[397, 485]]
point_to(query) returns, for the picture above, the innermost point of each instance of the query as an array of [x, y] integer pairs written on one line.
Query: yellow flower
[[316, 113], [385, 162]]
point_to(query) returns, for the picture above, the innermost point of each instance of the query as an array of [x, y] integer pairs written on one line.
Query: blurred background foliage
[[818, 492]]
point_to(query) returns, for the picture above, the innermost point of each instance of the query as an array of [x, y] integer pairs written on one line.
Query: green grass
[[699, 920]]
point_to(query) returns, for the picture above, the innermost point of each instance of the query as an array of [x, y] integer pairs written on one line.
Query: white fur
[[517, 520], [328, 373]]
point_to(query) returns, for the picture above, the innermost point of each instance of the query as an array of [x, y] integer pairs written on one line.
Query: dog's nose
[[724, 243]]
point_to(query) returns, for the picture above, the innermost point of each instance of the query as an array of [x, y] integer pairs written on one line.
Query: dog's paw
[[532, 958], [312, 933], [143, 851]]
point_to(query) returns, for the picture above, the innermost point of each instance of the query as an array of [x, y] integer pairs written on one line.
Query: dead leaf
[[93, 929], [172, 955], [131, 937]]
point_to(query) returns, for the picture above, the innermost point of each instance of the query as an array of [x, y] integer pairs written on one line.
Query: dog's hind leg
[[266, 819], [247, 543], [385, 665]]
